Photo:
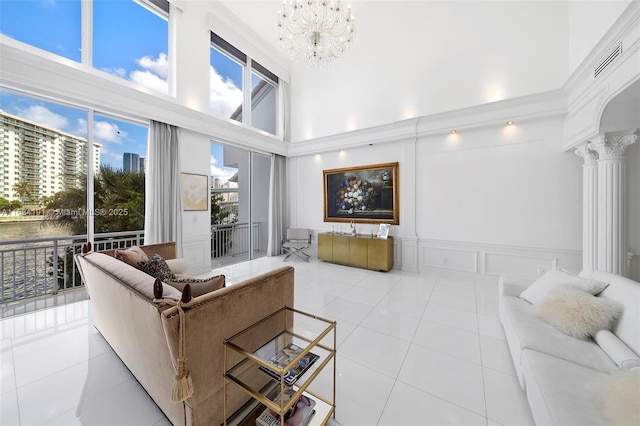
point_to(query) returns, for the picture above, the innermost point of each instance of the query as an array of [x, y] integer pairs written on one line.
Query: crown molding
[[626, 23], [541, 105]]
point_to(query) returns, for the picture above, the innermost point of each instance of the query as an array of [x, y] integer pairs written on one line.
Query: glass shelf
[[296, 337]]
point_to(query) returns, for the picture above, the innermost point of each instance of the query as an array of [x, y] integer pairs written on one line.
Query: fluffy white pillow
[[578, 313], [620, 393], [555, 277]]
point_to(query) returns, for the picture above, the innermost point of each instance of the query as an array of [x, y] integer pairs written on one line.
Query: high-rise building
[[131, 162], [141, 165], [47, 159]]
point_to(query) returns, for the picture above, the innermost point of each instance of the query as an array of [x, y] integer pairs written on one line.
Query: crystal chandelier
[[317, 30]]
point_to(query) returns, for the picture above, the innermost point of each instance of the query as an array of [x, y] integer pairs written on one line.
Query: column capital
[[612, 146], [588, 155]]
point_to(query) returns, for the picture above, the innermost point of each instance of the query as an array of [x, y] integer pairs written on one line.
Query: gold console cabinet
[[362, 252]]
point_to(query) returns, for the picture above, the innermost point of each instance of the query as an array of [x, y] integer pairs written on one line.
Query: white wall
[[195, 154], [506, 185], [491, 199], [418, 58]]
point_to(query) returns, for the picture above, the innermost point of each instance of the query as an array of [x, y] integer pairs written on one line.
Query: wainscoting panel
[[197, 252], [530, 266], [491, 260], [450, 258]]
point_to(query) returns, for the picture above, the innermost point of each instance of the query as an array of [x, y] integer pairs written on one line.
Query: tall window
[[44, 168], [226, 76], [264, 99], [48, 143], [119, 183], [53, 26], [239, 204], [131, 41], [228, 97]]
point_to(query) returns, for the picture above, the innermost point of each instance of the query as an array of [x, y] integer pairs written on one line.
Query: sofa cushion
[[199, 286], [177, 266], [555, 277], [561, 392], [134, 278], [156, 267], [131, 256], [576, 312], [530, 332]]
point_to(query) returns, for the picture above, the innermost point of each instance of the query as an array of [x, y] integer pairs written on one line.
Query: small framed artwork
[[195, 192], [383, 231]]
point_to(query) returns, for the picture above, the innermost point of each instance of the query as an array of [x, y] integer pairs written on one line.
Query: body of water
[[26, 269], [26, 230]]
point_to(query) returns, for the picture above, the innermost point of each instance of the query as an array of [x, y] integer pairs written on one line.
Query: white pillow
[[578, 313], [619, 353], [555, 277], [620, 396]]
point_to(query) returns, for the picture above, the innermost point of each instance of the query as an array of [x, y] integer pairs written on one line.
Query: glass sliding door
[[260, 175], [239, 204]]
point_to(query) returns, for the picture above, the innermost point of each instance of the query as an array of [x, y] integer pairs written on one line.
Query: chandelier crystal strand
[[317, 30]]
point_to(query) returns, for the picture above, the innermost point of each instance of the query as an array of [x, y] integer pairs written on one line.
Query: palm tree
[[22, 190]]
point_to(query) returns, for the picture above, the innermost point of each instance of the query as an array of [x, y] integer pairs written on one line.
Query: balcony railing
[[233, 241], [40, 266], [35, 267]]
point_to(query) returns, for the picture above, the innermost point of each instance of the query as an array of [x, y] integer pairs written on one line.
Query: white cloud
[[225, 97], [222, 173], [103, 131], [44, 116], [159, 66], [118, 72], [150, 80], [106, 152]]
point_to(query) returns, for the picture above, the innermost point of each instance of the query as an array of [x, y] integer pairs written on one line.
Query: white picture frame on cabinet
[[383, 231]]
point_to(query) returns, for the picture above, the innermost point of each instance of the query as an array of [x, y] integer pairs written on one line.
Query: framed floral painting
[[366, 194]]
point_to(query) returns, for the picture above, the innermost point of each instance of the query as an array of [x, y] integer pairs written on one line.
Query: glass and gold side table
[[293, 338]]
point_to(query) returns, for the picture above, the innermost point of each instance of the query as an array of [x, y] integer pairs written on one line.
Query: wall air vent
[[617, 51]]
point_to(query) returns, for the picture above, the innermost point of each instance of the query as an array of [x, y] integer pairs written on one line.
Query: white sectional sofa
[[576, 381]]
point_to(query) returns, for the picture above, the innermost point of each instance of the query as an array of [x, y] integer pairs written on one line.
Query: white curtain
[[163, 203], [277, 204]]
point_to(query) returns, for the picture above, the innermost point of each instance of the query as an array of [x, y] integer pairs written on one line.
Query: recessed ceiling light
[[453, 132], [510, 122]]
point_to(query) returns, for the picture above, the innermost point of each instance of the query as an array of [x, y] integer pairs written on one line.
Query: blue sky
[[130, 42]]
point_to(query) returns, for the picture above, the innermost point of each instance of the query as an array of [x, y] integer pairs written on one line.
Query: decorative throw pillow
[[199, 286], [620, 395], [555, 277], [578, 313], [619, 353], [156, 267], [131, 256]]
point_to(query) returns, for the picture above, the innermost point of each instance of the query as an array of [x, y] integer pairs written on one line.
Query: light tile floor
[[413, 349]]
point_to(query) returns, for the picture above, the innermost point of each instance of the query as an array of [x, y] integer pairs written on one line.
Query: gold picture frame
[[364, 194], [195, 192]]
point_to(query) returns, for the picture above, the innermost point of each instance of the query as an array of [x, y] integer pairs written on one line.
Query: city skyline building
[[48, 160], [132, 162]]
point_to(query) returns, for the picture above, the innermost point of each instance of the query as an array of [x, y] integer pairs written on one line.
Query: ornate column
[[612, 194], [589, 209]]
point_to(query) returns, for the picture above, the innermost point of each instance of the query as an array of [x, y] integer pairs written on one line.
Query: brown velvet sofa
[[145, 334]]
